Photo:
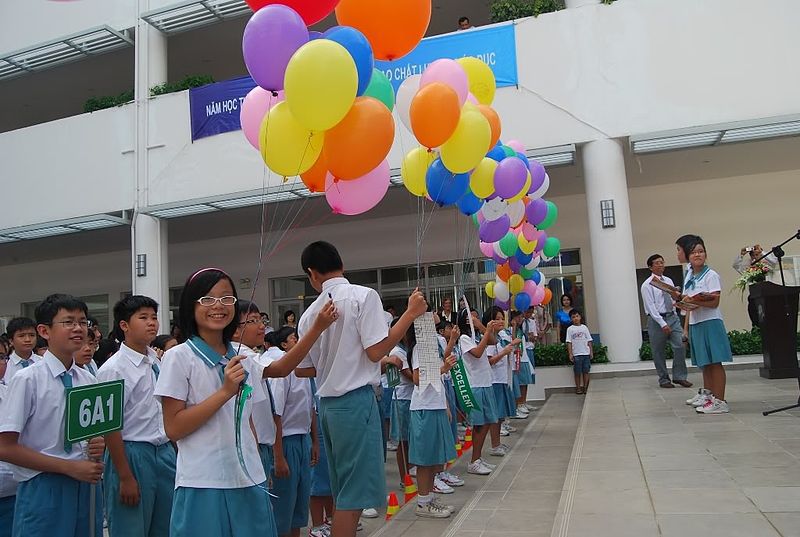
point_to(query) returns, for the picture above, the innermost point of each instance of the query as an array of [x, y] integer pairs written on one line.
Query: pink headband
[[204, 270]]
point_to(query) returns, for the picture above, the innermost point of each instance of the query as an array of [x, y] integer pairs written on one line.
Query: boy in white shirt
[[346, 363], [581, 352], [54, 476], [139, 479], [8, 487], [21, 333]]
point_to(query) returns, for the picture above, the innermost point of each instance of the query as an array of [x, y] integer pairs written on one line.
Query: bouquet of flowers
[[755, 273]]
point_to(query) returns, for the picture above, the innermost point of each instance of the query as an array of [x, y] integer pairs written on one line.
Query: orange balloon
[[393, 27], [548, 296], [360, 142], [314, 178], [494, 122], [434, 113], [504, 271]]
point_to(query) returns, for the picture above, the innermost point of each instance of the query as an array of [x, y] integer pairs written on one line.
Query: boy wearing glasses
[[54, 476], [22, 334]]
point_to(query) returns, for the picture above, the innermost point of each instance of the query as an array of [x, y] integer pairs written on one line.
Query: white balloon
[[501, 291], [516, 212], [405, 93], [498, 251], [495, 208], [534, 263], [542, 190]]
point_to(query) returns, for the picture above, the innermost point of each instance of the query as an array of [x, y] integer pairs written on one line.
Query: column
[[150, 273], [613, 261]]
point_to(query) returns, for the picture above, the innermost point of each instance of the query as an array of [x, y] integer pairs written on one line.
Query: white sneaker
[[714, 406], [497, 451], [370, 513], [431, 510], [520, 415], [488, 465], [504, 431], [438, 501], [451, 479], [478, 468], [413, 471], [440, 487], [703, 400], [529, 407], [319, 531], [505, 447], [391, 445], [700, 393], [360, 526], [510, 428]]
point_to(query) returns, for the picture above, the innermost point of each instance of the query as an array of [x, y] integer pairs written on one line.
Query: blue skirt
[[709, 343], [243, 512], [431, 441], [515, 386], [400, 418], [525, 375], [291, 494], [505, 404], [450, 393], [486, 413]]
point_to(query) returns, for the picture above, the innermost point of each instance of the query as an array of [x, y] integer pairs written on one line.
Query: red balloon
[[312, 11]]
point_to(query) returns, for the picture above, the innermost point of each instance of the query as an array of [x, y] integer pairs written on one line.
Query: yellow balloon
[[467, 146], [490, 289], [481, 182], [320, 84], [515, 283], [482, 83], [287, 147], [413, 170], [524, 245], [522, 192]]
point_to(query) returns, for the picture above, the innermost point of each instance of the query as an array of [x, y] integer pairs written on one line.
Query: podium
[[777, 314]]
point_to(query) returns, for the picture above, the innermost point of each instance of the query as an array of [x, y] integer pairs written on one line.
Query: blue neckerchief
[[209, 356], [693, 279]]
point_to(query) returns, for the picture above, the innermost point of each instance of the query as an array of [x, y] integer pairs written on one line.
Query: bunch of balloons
[[461, 161], [320, 109]]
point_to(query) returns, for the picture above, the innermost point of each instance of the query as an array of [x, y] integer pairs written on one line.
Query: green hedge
[[94, 104], [742, 342], [506, 10], [556, 354], [108, 101]]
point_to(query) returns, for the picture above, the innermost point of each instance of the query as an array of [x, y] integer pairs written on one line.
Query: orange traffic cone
[[468, 438], [393, 506], [458, 449], [409, 488]]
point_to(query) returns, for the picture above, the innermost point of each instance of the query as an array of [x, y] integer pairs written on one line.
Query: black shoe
[[667, 385], [684, 383]]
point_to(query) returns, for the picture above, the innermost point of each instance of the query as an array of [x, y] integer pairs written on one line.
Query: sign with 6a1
[[94, 410]]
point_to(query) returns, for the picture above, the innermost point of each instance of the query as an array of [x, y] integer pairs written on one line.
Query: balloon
[[380, 88], [509, 178], [536, 277], [538, 295], [552, 246], [538, 193], [497, 154], [529, 231], [481, 182], [516, 145], [321, 83], [450, 73], [503, 305], [525, 273], [312, 11], [314, 178], [272, 35], [514, 264], [522, 301], [486, 248], [359, 48], [522, 193], [469, 203], [508, 151], [493, 230], [508, 244], [529, 287], [516, 212], [393, 28], [525, 246], [359, 195], [552, 215], [482, 83], [434, 114], [537, 172], [466, 147], [503, 272], [414, 168], [540, 241], [501, 291], [548, 296], [345, 150], [254, 107], [313, 34], [490, 289], [533, 264], [494, 123], [494, 209], [515, 283], [405, 94], [536, 211], [523, 258], [471, 99], [524, 160], [499, 252], [444, 187], [287, 147], [498, 259]]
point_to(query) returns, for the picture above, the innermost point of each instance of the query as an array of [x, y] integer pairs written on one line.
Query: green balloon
[[509, 244], [526, 273], [380, 88], [552, 246], [550, 219], [509, 152], [475, 220]]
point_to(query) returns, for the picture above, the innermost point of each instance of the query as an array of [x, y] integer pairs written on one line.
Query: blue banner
[[215, 108], [495, 45]]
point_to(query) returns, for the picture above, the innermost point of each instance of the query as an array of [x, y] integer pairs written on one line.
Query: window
[[97, 305]]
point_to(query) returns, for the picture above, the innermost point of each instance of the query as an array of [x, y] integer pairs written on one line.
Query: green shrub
[[506, 10], [556, 354], [194, 81], [743, 342], [94, 104]]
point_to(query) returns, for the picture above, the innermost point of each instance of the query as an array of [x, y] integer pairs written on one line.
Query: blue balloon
[[313, 34], [469, 203], [445, 187], [522, 301], [497, 153], [523, 258], [536, 277], [524, 159], [359, 48]]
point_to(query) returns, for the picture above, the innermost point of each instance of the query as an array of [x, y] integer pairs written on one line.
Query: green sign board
[[392, 375], [94, 410]]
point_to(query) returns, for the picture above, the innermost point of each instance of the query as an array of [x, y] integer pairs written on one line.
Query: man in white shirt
[[664, 325], [745, 260]]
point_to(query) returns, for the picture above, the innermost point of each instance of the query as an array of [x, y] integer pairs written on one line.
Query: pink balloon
[[516, 145], [449, 72], [358, 196], [529, 231], [255, 106], [538, 296], [472, 99], [486, 248], [530, 288]]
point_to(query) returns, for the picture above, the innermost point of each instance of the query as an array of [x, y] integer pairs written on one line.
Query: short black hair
[[280, 336], [574, 311], [490, 314], [269, 338], [52, 304], [463, 321], [41, 343], [462, 19], [197, 286], [321, 256], [245, 307], [161, 340], [19, 323], [442, 325], [514, 314], [105, 349], [127, 308], [689, 243], [652, 259]]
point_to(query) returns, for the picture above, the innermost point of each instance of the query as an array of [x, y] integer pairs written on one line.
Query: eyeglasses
[[209, 301], [253, 321], [69, 325]]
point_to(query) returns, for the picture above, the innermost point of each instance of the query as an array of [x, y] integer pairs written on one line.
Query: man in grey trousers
[[663, 325]]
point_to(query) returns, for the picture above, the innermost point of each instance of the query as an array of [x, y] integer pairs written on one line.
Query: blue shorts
[[244, 512], [486, 413], [7, 515], [351, 424], [291, 494], [154, 470], [400, 419], [265, 452], [582, 364], [431, 439], [55, 505], [505, 404], [709, 343], [386, 402], [320, 478], [450, 394]]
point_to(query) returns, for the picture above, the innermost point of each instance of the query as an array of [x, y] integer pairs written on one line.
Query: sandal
[[578, 390]]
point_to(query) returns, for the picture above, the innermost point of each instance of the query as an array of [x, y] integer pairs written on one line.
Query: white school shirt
[[406, 386], [529, 326], [339, 354], [143, 420], [706, 282], [207, 458], [657, 302], [500, 368], [14, 365], [8, 487], [442, 348], [429, 398], [580, 338], [293, 403], [479, 372], [262, 411], [34, 407]]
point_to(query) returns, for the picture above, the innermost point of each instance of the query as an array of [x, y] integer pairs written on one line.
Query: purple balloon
[[499, 260], [500, 304], [540, 241], [510, 177], [536, 211], [494, 230], [272, 35], [313, 34], [537, 174], [514, 264]]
